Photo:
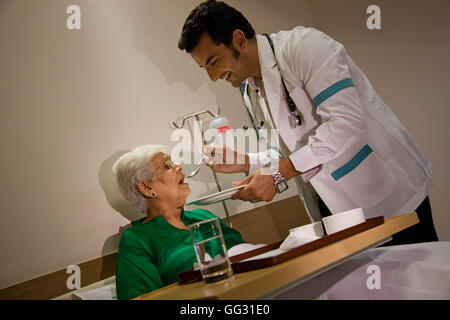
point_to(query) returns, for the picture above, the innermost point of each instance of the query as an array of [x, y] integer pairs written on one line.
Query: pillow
[[106, 292]]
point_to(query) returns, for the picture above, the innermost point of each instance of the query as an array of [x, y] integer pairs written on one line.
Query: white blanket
[[415, 271]]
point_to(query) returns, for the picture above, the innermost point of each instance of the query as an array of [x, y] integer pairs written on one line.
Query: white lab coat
[[367, 157]]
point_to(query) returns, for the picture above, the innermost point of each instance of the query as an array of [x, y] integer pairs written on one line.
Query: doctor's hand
[[259, 187], [226, 160]]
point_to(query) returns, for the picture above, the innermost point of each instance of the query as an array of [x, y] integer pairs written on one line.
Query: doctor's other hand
[[226, 160], [259, 187]]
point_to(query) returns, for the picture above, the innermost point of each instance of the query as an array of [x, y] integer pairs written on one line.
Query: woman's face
[[168, 180]]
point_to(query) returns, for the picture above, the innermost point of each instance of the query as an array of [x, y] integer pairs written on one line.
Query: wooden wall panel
[[270, 223]]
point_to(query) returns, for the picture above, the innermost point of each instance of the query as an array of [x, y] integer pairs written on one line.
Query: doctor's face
[[220, 61]]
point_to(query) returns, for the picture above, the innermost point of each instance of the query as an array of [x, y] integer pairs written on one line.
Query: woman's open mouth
[[181, 181]]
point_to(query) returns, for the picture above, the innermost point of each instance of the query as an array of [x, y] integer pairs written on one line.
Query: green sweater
[[152, 254]]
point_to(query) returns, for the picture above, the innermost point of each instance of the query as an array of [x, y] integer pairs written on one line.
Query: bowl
[[343, 220]]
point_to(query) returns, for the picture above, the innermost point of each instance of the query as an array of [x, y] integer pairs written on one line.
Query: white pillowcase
[[106, 292]]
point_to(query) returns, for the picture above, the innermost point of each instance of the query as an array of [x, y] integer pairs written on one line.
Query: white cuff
[[308, 175], [261, 159], [304, 160]]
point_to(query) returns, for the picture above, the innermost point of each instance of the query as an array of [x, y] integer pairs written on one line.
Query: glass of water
[[210, 250]]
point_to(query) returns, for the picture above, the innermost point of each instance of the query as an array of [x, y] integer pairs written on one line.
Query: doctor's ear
[[146, 190], [239, 40]]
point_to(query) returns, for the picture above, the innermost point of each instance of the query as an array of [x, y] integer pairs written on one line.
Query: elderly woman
[[158, 247]]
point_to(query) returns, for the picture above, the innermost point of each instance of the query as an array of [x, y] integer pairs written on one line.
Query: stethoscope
[[252, 112], [295, 116]]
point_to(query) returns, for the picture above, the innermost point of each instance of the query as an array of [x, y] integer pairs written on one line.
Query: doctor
[[336, 132]]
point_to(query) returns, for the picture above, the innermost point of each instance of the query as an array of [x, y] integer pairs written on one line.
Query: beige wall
[[73, 101]]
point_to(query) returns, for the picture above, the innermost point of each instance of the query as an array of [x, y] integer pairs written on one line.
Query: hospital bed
[[415, 271]]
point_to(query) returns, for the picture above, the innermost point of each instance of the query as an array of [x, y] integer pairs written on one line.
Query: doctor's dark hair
[[217, 19]]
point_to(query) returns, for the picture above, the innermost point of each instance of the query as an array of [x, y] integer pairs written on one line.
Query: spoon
[[194, 172]]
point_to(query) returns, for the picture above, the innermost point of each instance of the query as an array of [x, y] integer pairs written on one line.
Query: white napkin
[[292, 241], [301, 235]]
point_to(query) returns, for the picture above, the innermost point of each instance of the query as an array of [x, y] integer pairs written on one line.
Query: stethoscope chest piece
[[295, 120]]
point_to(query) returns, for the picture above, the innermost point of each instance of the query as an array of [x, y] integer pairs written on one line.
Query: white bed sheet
[[414, 271]]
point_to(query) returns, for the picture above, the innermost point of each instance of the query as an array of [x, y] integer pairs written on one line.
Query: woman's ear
[[145, 189]]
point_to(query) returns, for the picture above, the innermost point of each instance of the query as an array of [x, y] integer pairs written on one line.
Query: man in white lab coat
[[340, 136]]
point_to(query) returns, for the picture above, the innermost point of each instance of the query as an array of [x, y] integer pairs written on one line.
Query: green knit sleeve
[[135, 272]]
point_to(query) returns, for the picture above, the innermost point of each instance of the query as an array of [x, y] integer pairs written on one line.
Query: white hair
[[132, 168]]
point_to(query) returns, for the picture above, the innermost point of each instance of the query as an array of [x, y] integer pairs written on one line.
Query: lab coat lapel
[[271, 76], [273, 90]]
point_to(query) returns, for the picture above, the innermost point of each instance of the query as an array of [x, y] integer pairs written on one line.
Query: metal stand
[[196, 115]]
